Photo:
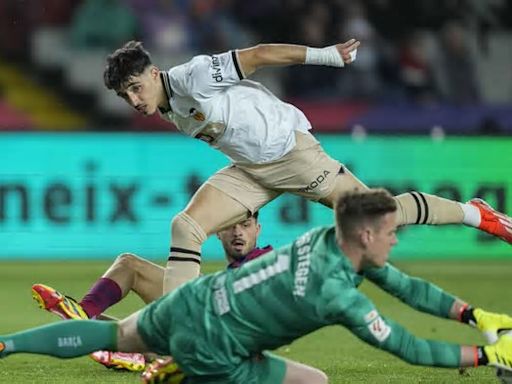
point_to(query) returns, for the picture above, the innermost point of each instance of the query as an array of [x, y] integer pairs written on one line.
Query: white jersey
[[210, 100]]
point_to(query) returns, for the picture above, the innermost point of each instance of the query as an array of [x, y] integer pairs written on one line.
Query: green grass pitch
[[344, 358]]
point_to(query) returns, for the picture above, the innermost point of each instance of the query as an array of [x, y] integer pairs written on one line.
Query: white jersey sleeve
[[203, 76]]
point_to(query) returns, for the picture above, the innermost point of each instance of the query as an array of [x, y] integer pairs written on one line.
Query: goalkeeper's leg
[[297, 373], [75, 338], [64, 339], [128, 336], [273, 369]]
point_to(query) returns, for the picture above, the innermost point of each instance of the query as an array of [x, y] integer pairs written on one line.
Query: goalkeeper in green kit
[[218, 327]]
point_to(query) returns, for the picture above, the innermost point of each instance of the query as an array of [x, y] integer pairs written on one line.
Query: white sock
[[472, 215]]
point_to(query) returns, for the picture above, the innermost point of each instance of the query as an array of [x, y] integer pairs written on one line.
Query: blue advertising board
[[86, 196]]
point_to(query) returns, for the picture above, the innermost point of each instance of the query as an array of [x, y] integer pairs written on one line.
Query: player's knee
[[304, 374], [185, 229], [121, 330], [323, 377], [127, 261], [318, 377]]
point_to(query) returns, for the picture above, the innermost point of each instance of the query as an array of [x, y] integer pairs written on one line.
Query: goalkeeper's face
[[240, 239], [381, 238]]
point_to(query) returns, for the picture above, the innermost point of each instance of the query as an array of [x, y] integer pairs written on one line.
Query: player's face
[[381, 239], [142, 92], [240, 239]]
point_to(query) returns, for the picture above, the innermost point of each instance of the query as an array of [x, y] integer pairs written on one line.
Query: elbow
[[260, 50], [253, 58]]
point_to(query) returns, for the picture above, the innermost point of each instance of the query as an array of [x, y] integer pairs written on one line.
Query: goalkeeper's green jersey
[[294, 290]]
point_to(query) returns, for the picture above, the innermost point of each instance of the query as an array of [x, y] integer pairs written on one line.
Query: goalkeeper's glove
[[163, 371], [498, 354], [490, 324]]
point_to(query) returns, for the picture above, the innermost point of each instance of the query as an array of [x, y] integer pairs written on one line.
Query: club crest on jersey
[[197, 115], [211, 132]]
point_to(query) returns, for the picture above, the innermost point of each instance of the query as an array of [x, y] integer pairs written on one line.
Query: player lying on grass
[[132, 273], [267, 140], [218, 327]]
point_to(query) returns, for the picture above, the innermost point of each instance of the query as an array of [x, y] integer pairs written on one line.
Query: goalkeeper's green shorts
[[176, 325], [267, 369]]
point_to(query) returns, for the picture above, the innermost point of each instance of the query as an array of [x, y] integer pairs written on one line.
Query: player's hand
[[490, 324], [499, 354], [348, 50], [163, 370]]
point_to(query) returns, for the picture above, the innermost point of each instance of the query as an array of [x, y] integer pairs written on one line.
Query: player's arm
[[415, 292], [427, 297], [356, 312], [264, 55]]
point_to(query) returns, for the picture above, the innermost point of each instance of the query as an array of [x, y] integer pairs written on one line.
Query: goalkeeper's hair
[[129, 60], [355, 209]]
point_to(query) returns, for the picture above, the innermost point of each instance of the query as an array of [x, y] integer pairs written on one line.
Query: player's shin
[[422, 208], [64, 339], [185, 253], [179, 272]]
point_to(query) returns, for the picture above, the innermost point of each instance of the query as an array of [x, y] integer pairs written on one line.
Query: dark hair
[[255, 215], [129, 60], [358, 208]]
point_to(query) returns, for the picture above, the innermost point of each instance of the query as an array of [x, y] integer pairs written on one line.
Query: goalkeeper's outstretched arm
[[427, 297], [416, 292], [418, 351], [356, 312]]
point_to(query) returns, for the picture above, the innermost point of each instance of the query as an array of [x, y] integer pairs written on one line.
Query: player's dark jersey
[[254, 254]]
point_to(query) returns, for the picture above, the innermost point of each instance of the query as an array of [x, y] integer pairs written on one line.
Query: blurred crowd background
[[79, 163], [422, 65]]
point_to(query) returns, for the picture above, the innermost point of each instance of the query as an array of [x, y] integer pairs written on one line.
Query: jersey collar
[[164, 76], [254, 254]]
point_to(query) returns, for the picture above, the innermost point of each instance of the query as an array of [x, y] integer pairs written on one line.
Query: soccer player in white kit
[[267, 140]]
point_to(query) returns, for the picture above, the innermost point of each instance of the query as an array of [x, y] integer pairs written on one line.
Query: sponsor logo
[[378, 327], [315, 183], [370, 316], [216, 69]]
